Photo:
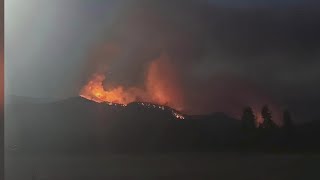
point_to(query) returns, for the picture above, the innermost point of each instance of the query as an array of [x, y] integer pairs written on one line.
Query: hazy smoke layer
[[209, 58], [224, 59]]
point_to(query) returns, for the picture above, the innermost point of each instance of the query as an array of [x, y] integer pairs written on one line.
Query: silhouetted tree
[[248, 119], [267, 118]]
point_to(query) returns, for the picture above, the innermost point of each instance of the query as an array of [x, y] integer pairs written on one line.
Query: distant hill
[[80, 125], [78, 121]]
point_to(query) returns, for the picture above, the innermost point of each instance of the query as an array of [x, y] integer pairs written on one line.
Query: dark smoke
[[225, 58]]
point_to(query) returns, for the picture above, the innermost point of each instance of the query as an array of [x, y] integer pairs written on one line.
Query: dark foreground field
[[163, 166]]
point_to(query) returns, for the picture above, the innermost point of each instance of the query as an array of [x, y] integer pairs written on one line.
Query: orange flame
[[94, 91], [160, 88]]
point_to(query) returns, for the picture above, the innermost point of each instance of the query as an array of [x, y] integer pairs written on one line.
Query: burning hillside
[[159, 87], [157, 91]]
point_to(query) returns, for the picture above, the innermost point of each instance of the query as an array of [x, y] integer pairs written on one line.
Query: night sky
[[227, 54]]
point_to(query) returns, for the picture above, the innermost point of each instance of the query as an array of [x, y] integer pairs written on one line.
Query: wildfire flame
[[94, 91], [157, 89]]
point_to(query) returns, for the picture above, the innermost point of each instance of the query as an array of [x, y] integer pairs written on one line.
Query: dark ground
[[184, 166], [77, 126]]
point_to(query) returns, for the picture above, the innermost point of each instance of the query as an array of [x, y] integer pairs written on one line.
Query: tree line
[[249, 120]]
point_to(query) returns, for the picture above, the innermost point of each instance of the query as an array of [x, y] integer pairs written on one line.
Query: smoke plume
[[199, 59]]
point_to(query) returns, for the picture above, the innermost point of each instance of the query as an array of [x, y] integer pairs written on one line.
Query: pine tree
[[248, 119], [267, 118]]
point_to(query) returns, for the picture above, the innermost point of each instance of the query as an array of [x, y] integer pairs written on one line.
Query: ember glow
[[175, 113]]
